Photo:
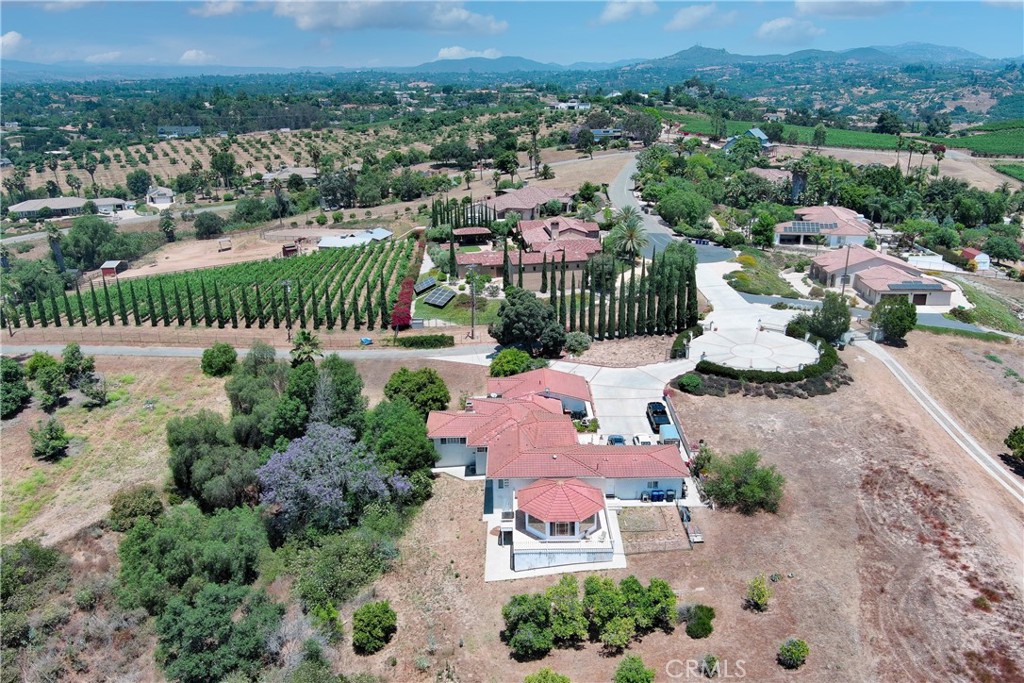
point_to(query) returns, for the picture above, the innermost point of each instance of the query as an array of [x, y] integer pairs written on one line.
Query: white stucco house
[[834, 225], [978, 256], [160, 196], [550, 492]]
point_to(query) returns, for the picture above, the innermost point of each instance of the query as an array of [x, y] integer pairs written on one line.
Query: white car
[[645, 440]]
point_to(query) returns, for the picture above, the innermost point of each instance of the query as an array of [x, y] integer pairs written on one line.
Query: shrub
[[373, 624], [52, 385], [740, 482], [577, 342], [698, 625], [732, 239], [827, 361], [321, 219], [49, 441], [709, 666], [680, 342], [76, 366], [895, 315], [546, 675], [128, 505], [219, 359], [816, 292], [208, 224], [508, 362], [964, 315], [632, 670], [86, 598], [531, 641], [14, 391], [424, 389], [427, 341], [618, 633], [758, 593], [746, 260], [793, 653], [691, 383], [37, 361]]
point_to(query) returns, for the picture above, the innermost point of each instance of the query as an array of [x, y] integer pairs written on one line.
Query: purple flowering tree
[[324, 480]]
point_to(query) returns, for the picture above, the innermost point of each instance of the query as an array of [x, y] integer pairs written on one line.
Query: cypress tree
[[692, 307], [55, 308], [572, 304], [28, 309], [81, 307], [108, 305], [301, 301], [641, 303], [122, 309], [601, 315], [246, 311], [95, 305], [164, 312], [67, 309], [190, 298], [314, 305], [287, 304], [43, 320], [620, 312], [151, 305], [652, 311], [561, 293], [342, 316], [659, 308], [544, 273], [232, 311], [261, 312], [681, 295], [591, 330], [453, 266], [177, 306], [328, 313], [357, 321], [207, 316], [581, 324], [519, 280], [218, 306], [669, 288], [369, 306], [506, 265], [382, 304], [610, 326], [275, 309]]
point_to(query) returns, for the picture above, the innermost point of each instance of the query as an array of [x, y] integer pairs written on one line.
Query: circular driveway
[[753, 349]]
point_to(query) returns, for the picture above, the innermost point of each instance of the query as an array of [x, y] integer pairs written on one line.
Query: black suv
[[657, 415]]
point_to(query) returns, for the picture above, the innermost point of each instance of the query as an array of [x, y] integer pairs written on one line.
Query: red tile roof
[[471, 231], [847, 222], [560, 500], [537, 233], [880, 279], [530, 258], [970, 253], [835, 260], [539, 382], [527, 198]]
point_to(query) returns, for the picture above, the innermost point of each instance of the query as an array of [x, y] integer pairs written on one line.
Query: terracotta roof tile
[[560, 500]]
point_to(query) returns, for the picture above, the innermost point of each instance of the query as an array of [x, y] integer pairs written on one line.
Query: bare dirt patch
[[193, 255], [973, 381], [119, 445], [459, 377], [627, 353]]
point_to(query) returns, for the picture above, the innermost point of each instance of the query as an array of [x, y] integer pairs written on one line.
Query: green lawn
[[760, 275], [458, 310], [1012, 170], [990, 311], [469, 249]]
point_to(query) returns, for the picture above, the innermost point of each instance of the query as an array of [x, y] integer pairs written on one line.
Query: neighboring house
[[766, 145], [476, 235], [606, 134], [571, 105], [874, 284], [551, 233], [527, 201], [552, 497], [160, 196], [110, 205], [112, 268], [772, 175], [63, 206], [307, 173], [572, 390], [837, 225], [828, 268], [978, 256], [171, 132], [354, 239]]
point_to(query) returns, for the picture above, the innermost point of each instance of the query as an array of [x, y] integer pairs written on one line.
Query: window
[[588, 522], [481, 449], [652, 484], [503, 484], [453, 440], [563, 529], [537, 526]]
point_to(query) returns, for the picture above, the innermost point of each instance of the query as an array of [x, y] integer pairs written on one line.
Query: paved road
[[620, 191], [962, 438]]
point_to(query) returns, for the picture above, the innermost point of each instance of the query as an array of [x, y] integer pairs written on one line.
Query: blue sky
[[392, 32]]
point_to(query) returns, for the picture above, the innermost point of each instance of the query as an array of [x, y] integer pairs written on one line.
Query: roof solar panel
[[439, 297], [424, 285]]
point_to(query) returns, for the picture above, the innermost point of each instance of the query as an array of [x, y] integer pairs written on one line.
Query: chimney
[[469, 406], [554, 229]]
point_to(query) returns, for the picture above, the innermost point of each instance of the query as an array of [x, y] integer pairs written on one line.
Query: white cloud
[[459, 52], [789, 31], [63, 5], [706, 16], [216, 8], [104, 57], [848, 9], [449, 17], [195, 57], [621, 10], [11, 42]]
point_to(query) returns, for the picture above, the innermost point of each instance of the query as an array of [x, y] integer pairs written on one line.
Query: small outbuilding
[[112, 268], [978, 256]]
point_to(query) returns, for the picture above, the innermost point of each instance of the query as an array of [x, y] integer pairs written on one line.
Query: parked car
[[616, 440], [657, 415], [645, 440]]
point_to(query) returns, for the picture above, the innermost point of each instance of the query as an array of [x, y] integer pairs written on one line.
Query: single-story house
[[171, 132], [766, 145], [874, 284], [307, 173], [472, 235], [527, 201], [837, 225], [828, 268], [160, 196], [492, 263], [539, 234], [548, 493], [571, 105], [572, 390], [978, 256], [606, 134], [63, 206], [354, 239], [112, 268]]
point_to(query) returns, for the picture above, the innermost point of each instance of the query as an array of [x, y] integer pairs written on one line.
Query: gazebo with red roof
[[560, 508]]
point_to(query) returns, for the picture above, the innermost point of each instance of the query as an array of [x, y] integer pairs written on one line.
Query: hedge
[[680, 342], [827, 361], [426, 341]]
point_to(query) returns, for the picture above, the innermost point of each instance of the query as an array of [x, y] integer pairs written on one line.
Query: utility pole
[[471, 275], [846, 270]]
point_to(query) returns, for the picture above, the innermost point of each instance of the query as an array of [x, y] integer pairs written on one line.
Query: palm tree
[[628, 213], [52, 164], [629, 238], [306, 348], [277, 188], [54, 235], [248, 166], [74, 183], [680, 145], [315, 153]]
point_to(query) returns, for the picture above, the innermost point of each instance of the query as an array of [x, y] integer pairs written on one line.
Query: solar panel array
[[809, 227], [909, 285], [440, 297], [423, 286]]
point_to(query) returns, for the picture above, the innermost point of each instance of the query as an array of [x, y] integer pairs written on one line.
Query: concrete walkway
[[991, 464]]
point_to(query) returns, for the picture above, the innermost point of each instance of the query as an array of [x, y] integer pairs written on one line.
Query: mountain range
[[691, 58]]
